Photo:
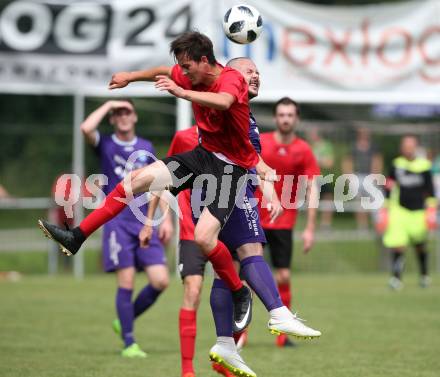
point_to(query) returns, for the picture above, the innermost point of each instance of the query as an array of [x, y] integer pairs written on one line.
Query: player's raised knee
[[204, 240], [161, 283]]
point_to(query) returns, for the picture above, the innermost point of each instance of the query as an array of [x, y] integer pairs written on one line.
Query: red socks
[[237, 336], [286, 298], [112, 206], [285, 294], [221, 260], [240, 338], [187, 333]]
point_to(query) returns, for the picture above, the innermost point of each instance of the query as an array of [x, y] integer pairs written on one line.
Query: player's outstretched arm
[[218, 101], [91, 123], [122, 79]]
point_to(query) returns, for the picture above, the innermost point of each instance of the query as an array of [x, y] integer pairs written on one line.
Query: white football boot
[[395, 283], [425, 281], [283, 321], [225, 353]]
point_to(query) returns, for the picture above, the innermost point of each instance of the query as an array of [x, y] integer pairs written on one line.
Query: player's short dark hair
[[287, 101], [193, 45]]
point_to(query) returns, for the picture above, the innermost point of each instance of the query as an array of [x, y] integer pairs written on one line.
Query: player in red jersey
[[242, 234], [219, 97], [191, 260], [291, 157]]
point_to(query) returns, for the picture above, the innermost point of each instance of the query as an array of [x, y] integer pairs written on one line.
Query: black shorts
[[280, 243], [192, 261], [201, 170], [327, 188]]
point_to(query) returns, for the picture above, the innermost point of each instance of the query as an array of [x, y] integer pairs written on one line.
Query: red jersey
[[225, 132], [184, 141], [293, 160]]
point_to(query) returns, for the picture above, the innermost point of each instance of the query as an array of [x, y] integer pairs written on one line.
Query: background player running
[[291, 157], [121, 246]]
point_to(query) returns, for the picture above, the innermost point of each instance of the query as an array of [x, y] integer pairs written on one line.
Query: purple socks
[[124, 308], [258, 275], [128, 311], [145, 299], [221, 307]]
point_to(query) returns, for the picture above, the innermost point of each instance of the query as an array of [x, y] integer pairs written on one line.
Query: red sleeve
[[234, 83], [310, 166], [179, 78]]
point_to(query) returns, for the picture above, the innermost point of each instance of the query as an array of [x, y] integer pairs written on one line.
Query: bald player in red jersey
[[291, 157]]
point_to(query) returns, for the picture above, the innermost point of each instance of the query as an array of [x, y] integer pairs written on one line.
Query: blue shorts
[[121, 247], [243, 225]]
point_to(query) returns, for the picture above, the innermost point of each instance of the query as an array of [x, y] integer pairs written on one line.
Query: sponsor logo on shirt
[[282, 151], [251, 216], [406, 179]]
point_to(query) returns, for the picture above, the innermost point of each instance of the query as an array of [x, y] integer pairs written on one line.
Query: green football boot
[[133, 351]]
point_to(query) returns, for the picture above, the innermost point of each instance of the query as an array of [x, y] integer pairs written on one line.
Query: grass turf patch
[[62, 327]]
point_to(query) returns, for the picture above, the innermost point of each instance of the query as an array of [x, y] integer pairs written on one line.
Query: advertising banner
[[316, 53]]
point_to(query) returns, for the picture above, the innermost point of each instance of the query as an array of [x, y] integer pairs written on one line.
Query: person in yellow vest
[[409, 211]]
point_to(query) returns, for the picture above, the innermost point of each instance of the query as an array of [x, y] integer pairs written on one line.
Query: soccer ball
[[242, 24]]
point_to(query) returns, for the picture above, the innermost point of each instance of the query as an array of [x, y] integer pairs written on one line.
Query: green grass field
[[61, 327]]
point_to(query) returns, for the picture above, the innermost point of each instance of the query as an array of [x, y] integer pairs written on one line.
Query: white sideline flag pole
[[78, 169]]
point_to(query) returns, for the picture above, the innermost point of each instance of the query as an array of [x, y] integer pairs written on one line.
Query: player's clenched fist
[[165, 83], [119, 80], [266, 172], [145, 235], [275, 209]]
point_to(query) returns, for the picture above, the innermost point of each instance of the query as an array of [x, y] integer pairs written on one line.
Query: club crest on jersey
[[282, 151]]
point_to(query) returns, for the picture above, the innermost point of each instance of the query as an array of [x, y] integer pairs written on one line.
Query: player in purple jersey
[[243, 233], [120, 153]]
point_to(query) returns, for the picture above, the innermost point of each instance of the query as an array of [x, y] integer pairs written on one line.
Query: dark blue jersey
[[254, 133]]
